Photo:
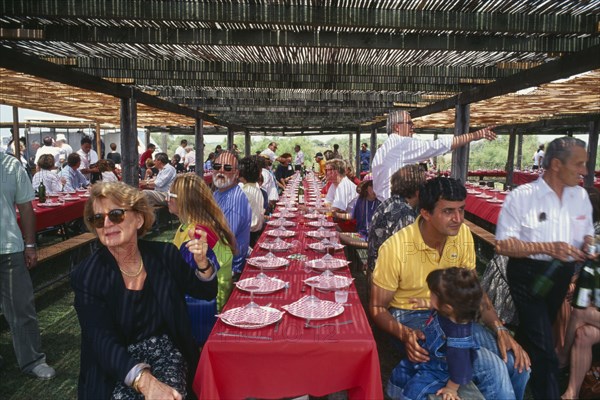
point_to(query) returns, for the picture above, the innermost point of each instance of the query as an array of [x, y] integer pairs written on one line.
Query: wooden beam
[[510, 160], [323, 39], [129, 142], [285, 15], [15, 133], [199, 139]]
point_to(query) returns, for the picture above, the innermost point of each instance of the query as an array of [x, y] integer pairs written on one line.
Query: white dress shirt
[[270, 185], [398, 151], [256, 200], [534, 213], [345, 195], [87, 159]]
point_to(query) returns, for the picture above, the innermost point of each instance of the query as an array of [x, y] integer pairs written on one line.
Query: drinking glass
[[341, 296], [252, 289]]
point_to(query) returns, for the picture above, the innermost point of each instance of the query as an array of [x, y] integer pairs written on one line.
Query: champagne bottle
[[300, 194], [582, 297], [543, 282], [597, 287], [41, 193]]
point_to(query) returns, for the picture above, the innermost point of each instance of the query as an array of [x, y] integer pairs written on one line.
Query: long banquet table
[[487, 209], [289, 360], [46, 216]]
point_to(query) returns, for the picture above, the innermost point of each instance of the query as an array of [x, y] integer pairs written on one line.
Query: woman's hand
[[198, 246], [152, 388]]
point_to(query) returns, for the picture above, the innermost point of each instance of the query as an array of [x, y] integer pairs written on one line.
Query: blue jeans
[[494, 378]]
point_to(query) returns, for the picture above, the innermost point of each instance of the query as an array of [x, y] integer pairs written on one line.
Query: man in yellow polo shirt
[[399, 294]]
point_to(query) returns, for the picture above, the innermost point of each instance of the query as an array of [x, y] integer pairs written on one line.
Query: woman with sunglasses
[[193, 202], [129, 297]]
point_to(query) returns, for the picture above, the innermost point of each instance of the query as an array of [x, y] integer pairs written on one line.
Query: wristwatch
[[30, 245]]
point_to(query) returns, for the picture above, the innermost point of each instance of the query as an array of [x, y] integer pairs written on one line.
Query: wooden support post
[[373, 143], [98, 140], [435, 159], [229, 138], [247, 142], [129, 142], [199, 138], [520, 151], [510, 160], [357, 159], [15, 133], [460, 156], [592, 153], [164, 142], [351, 150]]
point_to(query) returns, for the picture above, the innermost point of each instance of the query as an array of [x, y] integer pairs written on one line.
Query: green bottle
[[300, 194], [543, 282], [41, 193], [582, 298]]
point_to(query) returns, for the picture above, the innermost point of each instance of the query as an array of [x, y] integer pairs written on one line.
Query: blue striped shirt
[[236, 208]]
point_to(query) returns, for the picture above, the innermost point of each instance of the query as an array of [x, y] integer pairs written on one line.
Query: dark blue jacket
[[99, 292]]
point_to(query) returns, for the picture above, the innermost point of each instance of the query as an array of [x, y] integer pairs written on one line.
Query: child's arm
[[449, 392]]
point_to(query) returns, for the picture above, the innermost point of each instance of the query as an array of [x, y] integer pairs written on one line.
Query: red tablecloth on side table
[[46, 217], [482, 207], [294, 360]]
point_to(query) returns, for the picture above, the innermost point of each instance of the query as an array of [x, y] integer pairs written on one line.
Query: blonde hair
[[125, 196], [197, 205]]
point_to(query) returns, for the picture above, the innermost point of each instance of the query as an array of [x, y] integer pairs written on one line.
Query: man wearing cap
[[401, 149], [64, 149], [321, 163]]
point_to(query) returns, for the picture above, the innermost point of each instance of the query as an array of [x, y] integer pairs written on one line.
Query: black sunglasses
[[226, 167], [115, 216]]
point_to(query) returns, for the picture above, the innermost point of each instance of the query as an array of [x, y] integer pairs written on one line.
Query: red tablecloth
[[297, 360], [522, 177], [487, 172], [482, 207], [46, 217]]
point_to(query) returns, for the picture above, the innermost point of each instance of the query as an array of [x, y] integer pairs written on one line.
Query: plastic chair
[[202, 317]]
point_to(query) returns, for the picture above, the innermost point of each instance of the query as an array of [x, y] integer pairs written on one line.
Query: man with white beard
[[235, 205]]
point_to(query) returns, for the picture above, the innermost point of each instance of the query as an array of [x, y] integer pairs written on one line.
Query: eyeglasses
[[115, 216], [409, 123], [226, 167], [171, 196]]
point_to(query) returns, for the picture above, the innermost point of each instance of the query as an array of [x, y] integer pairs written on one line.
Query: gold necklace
[[139, 271]]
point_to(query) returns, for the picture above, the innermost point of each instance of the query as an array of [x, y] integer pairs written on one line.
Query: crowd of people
[[424, 291]]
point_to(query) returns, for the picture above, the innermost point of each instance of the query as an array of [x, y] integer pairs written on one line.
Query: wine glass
[[252, 288]]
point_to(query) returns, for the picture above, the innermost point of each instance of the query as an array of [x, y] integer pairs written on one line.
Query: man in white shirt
[[270, 152], [157, 188], [249, 170], [269, 183], [401, 149], [299, 159], [88, 157], [181, 149], [48, 148], [538, 157], [189, 162], [342, 194], [543, 228]]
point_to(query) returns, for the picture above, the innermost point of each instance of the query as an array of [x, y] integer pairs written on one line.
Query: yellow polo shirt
[[404, 261]]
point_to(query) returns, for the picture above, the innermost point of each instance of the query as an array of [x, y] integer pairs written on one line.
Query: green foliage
[[493, 155]]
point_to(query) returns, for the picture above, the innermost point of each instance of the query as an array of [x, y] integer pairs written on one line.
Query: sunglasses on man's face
[[115, 216], [226, 167]]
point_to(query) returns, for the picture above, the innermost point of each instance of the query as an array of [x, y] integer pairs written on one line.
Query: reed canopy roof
[[301, 65]]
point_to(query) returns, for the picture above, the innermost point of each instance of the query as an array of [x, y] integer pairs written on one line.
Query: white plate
[[483, 196], [319, 223], [332, 282], [286, 203], [277, 222], [267, 262], [49, 204], [312, 216], [265, 285], [251, 318], [289, 209], [319, 246], [71, 198], [281, 233], [317, 310], [321, 234], [275, 245], [283, 215], [333, 263], [496, 201], [473, 192], [85, 196]]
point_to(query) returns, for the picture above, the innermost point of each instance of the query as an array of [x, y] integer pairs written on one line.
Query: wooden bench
[[49, 252], [71, 247], [481, 233]]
